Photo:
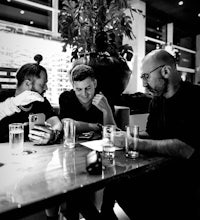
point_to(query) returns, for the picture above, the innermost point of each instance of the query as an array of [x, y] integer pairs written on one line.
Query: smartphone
[[86, 135], [36, 119]]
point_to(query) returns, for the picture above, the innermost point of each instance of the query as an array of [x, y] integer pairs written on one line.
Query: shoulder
[[42, 105], [67, 96], [191, 88], [67, 93], [6, 94]]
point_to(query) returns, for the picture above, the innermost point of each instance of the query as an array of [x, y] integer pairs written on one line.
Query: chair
[[122, 116]]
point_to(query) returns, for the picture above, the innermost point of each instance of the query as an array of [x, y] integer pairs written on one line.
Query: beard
[[159, 90], [33, 89]]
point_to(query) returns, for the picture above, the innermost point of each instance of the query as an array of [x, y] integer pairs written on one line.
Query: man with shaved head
[[171, 131], [173, 109]]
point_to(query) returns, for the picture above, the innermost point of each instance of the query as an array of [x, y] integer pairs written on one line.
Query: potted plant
[[97, 27]]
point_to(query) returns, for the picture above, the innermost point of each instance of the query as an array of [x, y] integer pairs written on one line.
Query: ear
[[165, 71], [95, 83], [27, 84]]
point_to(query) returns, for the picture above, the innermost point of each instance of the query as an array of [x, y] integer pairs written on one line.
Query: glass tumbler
[[132, 135], [16, 138], [69, 133]]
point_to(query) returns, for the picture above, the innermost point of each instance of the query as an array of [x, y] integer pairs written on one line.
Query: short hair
[[30, 70], [110, 72], [80, 72]]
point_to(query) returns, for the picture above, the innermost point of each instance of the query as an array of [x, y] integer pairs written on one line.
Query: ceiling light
[[22, 12], [157, 46], [198, 15], [8, 0], [31, 22], [180, 3]]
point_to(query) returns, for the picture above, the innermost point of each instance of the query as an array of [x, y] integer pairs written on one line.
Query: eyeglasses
[[146, 75]]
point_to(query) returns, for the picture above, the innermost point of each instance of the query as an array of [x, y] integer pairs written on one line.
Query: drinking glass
[[132, 135], [108, 148], [69, 133], [16, 138]]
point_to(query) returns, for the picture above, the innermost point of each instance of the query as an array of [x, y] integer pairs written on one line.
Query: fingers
[[39, 138], [43, 128], [95, 101], [40, 134], [97, 98], [99, 101]]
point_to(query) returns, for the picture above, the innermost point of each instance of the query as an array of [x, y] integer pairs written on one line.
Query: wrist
[[96, 127], [55, 136], [99, 127]]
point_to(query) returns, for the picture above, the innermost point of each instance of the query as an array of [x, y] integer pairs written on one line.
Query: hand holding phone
[[39, 132], [36, 119]]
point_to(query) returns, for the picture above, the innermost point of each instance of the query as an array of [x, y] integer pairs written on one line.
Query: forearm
[[8, 108], [169, 147], [108, 118], [86, 127]]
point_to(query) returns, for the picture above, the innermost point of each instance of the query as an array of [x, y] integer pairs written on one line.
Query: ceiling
[[159, 13], [185, 17]]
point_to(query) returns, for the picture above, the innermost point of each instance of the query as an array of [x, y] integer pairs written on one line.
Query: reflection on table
[[29, 182]]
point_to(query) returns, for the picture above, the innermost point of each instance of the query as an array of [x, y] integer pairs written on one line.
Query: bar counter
[[30, 182]]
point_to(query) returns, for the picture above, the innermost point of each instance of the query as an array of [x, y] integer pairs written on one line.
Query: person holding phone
[[17, 105]]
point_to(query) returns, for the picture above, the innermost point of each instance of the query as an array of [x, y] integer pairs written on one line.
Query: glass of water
[[131, 141], [69, 133], [108, 147], [16, 138]]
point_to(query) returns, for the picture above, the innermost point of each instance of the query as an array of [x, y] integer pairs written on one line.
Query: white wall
[[138, 44]]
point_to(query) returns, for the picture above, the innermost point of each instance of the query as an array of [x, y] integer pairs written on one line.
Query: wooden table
[[29, 182]]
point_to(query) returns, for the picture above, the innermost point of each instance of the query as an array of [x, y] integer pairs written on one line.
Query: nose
[[84, 93], [45, 87]]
